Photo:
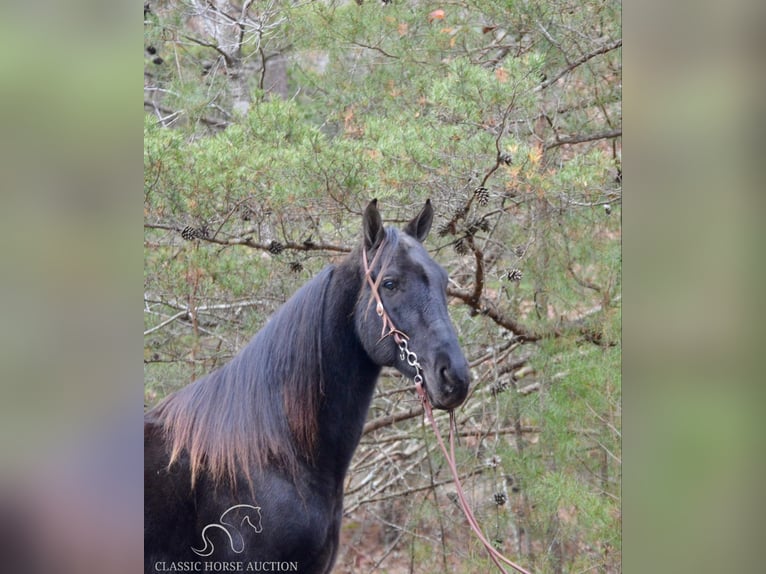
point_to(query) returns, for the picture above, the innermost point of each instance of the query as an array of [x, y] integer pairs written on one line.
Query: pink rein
[[401, 340]]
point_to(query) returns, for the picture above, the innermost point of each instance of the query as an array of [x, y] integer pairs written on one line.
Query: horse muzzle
[[447, 382]]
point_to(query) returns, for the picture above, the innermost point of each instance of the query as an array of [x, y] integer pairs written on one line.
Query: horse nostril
[[451, 372], [451, 379], [447, 378]]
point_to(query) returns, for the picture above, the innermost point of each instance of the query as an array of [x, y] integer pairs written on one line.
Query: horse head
[[407, 290]]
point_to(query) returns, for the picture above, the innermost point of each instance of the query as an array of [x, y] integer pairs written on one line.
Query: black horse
[[273, 431]]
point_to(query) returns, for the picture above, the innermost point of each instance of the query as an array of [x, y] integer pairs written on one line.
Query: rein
[[412, 360]]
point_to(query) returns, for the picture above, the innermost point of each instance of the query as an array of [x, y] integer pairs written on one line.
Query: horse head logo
[[232, 522]]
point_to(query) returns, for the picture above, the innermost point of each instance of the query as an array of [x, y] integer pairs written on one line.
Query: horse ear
[[421, 223], [373, 226]]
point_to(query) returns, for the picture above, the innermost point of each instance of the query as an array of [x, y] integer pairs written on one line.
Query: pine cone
[[446, 229], [493, 462], [460, 246], [202, 232], [473, 226], [275, 247], [190, 233], [499, 387], [482, 195], [514, 275]]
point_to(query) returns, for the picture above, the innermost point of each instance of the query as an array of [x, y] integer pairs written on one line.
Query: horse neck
[[349, 377]]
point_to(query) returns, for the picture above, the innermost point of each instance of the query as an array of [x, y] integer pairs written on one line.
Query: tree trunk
[[224, 26]]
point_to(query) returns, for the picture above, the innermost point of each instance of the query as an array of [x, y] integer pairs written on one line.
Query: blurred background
[[340, 102]]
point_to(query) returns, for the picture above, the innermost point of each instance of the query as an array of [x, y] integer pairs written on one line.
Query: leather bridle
[[406, 354]]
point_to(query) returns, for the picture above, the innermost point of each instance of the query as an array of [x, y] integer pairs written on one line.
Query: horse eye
[[389, 284]]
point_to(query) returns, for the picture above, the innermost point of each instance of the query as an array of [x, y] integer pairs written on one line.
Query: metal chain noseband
[[412, 359], [408, 355]]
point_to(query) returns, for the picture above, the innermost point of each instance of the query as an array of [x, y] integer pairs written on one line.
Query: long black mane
[[262, 407]]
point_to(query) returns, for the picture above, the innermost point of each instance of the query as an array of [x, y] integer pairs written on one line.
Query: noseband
[[401, 338]]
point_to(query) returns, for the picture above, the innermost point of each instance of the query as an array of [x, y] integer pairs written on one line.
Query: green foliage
[[400, 103]]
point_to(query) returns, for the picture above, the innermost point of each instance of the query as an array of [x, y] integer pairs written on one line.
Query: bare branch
[[391, 419], [484, 307], [578, 62], [376, 49], [242, 19], [580, 281], [227, 57], [478, 285], [582, 139], [529, 389], [553, 41], [262, 79], [166, 322], [250, 242], [212, 122], [408, 491], [498, 432]]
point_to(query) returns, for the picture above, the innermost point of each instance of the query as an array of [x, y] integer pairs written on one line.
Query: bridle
[[406, 354], [400, 337]]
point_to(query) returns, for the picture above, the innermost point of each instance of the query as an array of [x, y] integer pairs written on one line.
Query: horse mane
[[262, 407]]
